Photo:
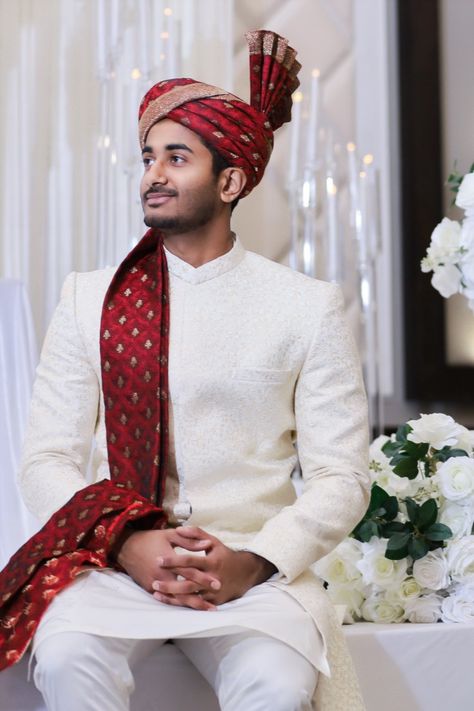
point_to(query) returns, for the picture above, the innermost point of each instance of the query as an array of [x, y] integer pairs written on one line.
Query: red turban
[[241, 133]]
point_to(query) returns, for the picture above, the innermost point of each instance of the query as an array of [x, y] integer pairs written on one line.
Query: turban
[[241, 132]]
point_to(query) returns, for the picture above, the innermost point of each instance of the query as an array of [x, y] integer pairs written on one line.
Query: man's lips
[[158, 198]]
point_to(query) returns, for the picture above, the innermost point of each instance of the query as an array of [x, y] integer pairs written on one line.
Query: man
[[195, 392]]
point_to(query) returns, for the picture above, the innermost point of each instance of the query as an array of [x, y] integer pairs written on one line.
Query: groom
[[203, 367]]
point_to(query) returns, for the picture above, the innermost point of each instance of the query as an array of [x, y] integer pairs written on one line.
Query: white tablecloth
[[18, 358], [414, 667]]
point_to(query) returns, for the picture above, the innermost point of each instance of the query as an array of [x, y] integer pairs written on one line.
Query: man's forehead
[[166, 132]]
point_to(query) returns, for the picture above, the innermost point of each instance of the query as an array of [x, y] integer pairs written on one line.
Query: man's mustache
[[159, 190]]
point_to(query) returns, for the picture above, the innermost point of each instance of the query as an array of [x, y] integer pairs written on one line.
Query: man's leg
[[253, 672], [85, 672]]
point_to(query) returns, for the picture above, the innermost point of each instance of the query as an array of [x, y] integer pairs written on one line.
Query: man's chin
[[166, 224]]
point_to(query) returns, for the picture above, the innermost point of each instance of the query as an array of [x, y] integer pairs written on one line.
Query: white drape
[[18, 358], [68, 147]]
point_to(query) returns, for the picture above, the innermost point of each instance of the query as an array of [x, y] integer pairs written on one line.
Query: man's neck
[[199, 249]]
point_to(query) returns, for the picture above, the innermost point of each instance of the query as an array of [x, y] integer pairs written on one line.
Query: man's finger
[[203, 581], [196, 602], [193, 532], [191, 544], [177, 587], [182, 560]]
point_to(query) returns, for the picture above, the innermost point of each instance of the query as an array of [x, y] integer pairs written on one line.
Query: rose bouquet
[[450, 255], [411, 558]]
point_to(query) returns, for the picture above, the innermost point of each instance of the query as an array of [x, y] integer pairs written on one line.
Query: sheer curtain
[[73, 72]]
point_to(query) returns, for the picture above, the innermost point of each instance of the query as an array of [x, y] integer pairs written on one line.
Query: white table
[[414, 667]]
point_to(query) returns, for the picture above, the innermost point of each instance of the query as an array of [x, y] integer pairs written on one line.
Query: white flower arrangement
[[450, 255], [411, 558]]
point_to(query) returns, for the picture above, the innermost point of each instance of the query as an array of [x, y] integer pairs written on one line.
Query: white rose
[[445, 240], [350, 597], [465, 440], [459, 606], [378, 570], [426, 608], [432, 571], [455, 479], [460, 555], [339, 566], [458, 518], [436, 429], [467, 235], [467, 274], [407, 590], [465, 194], [447, 280], [377, 608]]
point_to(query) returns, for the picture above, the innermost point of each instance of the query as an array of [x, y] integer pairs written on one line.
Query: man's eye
[[147, 162], [177, 159]]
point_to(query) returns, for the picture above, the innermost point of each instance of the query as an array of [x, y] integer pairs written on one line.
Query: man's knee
[[264, 686], [70, 658]]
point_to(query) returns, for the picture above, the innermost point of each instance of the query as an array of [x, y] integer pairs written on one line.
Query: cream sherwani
[[260, 358]]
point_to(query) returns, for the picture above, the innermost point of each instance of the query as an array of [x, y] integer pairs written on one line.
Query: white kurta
[[259, 356]]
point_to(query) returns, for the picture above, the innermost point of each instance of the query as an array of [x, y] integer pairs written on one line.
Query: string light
[[167, 11], [297, 97], [135, 73], [165, 35], [351, 147], [368, 159]]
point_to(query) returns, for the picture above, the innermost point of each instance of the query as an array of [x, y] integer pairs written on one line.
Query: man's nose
[[157, 173]]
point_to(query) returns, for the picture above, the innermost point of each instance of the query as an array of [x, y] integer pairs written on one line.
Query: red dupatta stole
[[134, 342]]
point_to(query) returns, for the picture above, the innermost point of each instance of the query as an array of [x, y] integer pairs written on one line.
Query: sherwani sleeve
[[63, 414], [332, 442]]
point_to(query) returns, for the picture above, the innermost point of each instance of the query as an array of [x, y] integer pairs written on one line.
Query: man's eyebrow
[[170, 147]]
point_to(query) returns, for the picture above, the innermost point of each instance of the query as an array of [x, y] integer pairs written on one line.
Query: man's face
[[179, 191]]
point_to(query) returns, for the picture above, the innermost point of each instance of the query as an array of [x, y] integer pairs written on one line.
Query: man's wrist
[[260, 568]]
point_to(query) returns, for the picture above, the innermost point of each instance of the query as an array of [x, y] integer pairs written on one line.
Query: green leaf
[[367, 530], [405, 466], [417, 548], [397, 546], [391, 448], [402, 432], [391, 508], [412, 510], [378, 497], [418, 450], [438, 532], [427, 515], [446, 453], [388, 529]]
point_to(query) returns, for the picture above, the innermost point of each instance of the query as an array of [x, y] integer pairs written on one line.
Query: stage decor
[[335, 232], [411, 558], [450, 255]]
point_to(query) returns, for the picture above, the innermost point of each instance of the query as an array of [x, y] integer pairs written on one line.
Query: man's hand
[[236, 571], [141, 551]]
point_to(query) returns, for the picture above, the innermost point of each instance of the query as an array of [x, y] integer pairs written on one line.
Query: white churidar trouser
[[248, 671]]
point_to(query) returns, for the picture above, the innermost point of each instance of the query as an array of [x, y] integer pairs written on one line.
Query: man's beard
[[197, 217]]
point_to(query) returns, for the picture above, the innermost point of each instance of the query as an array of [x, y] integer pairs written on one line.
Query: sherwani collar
[[209, 270]]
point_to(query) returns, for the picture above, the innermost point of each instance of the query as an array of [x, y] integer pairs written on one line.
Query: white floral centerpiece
[[450, 255], [411, 558]]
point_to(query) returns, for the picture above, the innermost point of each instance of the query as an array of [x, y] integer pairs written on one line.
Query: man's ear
[[232, 182]]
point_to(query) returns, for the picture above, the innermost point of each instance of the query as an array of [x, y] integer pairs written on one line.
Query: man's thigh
[[253, 671]]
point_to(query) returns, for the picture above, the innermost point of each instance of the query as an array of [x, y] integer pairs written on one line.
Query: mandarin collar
[[209, 270]]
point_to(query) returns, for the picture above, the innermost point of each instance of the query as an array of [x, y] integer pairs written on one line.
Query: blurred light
[[351, 147], [297, 97], [106, 141], [315, 73], [306, 194], [162, 56], [165, 35], [167, 11], [331, 187], [365, 292], [113, 158], [136, 73], [368, 159]]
